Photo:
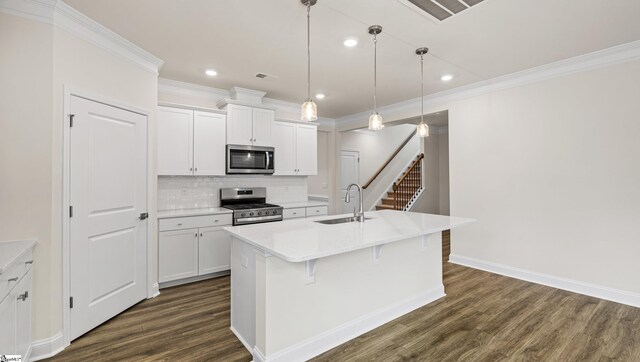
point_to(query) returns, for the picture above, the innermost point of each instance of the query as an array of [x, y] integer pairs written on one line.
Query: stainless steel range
[[249, 205]]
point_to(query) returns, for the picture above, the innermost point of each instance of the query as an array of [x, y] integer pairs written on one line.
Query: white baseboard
[[155, 290], [332, 338], [242, 340], [593, 290], [45, 348]]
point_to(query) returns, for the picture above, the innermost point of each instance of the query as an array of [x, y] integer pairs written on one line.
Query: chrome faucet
[[359, 216]]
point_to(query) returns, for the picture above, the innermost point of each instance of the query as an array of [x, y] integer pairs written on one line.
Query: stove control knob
[[259, 213], [243, 214], [251, 214]]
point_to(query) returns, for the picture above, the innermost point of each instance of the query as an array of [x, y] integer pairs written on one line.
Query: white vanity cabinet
[[15, 297], [191, 247], [190, 142], [296, 149], [249, 126]]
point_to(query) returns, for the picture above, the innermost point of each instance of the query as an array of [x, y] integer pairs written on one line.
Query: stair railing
[[395, 153], [407, 186]]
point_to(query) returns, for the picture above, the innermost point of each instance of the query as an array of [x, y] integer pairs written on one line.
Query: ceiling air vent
[[439, 10], [265, 75]]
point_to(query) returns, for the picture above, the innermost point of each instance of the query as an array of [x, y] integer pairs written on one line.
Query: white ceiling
[[240, 38]]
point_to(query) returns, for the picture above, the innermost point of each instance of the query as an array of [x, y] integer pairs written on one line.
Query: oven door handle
[[266, 153]]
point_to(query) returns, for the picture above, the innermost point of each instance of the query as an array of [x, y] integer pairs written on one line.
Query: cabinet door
[[208, 144], [262, 126], [284, 141], [8, 324], [239, 125], [23, 315], [177, 254], [307, 149], [215, 250], [175, 141]]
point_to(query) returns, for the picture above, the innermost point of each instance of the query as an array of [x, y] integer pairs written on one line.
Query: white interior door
[[209, 144], [108, 192], [349, 173]]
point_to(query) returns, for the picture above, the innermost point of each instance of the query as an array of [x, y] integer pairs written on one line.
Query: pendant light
[[423, 129], [309, 108], [375, 120]]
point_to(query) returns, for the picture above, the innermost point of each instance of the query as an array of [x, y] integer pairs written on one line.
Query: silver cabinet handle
[[23, 296], [196, 169], [13, 279], [196, 235], [29, 262], [216, 220], [200, 234], [179, 224], [190, 168]]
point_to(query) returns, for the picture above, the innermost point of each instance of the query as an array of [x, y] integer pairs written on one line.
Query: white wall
[[550, 170], [375, 147], [435, 197], [40, 59]]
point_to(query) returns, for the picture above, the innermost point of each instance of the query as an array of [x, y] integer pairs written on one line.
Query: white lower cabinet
[[15, 309], [215, 250], [178, 254], [193, 251], [300, 212]]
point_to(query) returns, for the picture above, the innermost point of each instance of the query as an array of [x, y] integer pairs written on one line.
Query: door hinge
[[70, 211], [71, 119], [70, 302]]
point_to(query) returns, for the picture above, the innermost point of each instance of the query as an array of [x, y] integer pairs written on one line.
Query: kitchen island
[[300, 287]]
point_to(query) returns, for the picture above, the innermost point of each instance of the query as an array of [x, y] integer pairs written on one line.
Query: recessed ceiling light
[[320, 96], [350, 42], [446, 77], [211, 72]]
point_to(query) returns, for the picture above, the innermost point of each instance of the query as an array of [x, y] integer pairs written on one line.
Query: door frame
[[152, 286]]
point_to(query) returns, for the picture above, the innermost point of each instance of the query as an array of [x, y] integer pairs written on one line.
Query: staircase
[[406, 190]]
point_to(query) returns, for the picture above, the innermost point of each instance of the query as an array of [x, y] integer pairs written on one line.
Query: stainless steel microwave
[[249, 160]]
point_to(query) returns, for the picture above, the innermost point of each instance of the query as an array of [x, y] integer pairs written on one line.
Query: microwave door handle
[[266, 153]]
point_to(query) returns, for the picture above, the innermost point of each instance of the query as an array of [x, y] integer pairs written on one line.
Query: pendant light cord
[[375, 71], [308, 50], [422, 88]]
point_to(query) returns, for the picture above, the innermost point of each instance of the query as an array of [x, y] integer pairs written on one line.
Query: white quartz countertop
[[167, 214], [11, 251], [309, 203], [300, 240]]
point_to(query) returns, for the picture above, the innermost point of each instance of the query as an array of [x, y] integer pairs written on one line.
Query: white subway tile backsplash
[[188, 192]]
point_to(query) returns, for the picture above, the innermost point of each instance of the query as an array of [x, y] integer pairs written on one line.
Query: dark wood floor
[[484, 317]]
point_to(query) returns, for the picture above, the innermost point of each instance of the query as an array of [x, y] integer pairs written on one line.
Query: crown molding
[[63, 16], [590, 61]]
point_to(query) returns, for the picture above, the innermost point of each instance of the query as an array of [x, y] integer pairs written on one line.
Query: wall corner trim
[[65, 17], [47, 347], [592, 290]]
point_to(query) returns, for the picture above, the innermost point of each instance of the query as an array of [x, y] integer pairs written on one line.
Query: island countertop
[[304, 239]]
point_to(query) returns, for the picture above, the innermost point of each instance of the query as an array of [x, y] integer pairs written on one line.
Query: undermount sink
[[340, 220]]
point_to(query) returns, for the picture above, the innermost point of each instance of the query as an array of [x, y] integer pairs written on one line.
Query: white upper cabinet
[[190, 142], [262, 126], [284, 141], [175, 141], [249, 126], [296, 149], [307, 149], [208, 144]]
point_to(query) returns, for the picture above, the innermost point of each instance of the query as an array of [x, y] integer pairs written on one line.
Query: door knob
[[143, 216]]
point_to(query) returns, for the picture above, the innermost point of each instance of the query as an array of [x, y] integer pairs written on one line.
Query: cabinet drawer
[[179, 223], [12, 276], [294, 213], [316, 211]]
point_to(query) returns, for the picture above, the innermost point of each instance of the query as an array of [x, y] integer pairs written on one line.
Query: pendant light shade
[[309, 109], [422, 130], [375, 120]]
